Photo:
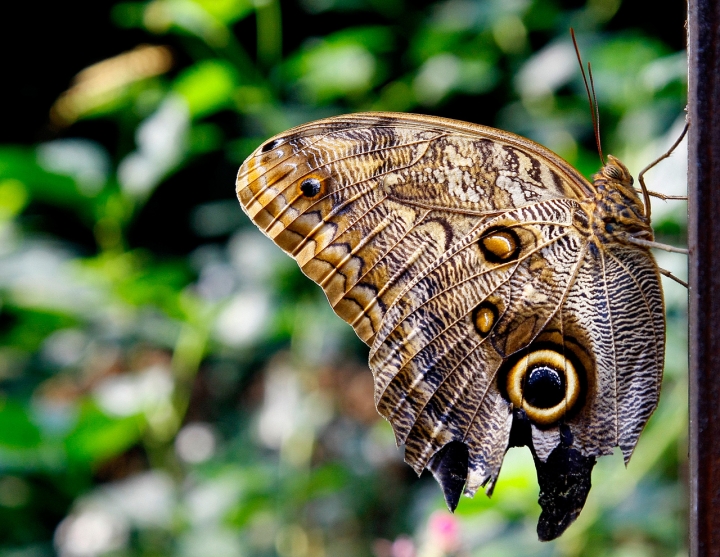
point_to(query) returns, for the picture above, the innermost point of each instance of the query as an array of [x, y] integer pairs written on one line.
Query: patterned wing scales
[[613, 318], [390, 213], [435, 373], [374, 182], [637, 317]]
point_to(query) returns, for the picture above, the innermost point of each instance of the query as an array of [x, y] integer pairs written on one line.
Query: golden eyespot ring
[[545, 384], [500, 245]]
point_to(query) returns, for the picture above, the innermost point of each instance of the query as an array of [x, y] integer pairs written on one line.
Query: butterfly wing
[[456, 252], [436, 368], [613, 321], [615, 309]]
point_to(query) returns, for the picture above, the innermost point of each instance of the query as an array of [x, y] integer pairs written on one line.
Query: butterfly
[[506, 300]]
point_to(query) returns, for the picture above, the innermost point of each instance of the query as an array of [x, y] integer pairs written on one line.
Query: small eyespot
[[500, 245], [310, 187], [545, 384], [270, 145], [484, 318]]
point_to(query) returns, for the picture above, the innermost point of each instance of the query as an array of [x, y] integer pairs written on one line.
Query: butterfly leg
[[670, 275], [641, 176], [667, 197], [657, 245]]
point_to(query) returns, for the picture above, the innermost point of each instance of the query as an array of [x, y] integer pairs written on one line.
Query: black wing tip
[[564, 486], [450, 468], [564, 478]]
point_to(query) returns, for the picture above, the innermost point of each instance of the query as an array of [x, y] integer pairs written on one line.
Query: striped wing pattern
[[391, 233]]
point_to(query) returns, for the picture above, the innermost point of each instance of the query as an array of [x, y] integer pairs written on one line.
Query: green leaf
[[13, 197], [207, 87], [618, 65], [30, 327], [98, 437], [342, 64], [227, 11], [128, 14], [328, 479], [20, 163], [158, 286], [17, 431]]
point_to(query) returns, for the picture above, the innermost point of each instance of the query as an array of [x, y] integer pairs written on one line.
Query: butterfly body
[[496, 287]]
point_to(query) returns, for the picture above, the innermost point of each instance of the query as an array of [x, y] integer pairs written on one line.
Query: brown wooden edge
[[704, 270]]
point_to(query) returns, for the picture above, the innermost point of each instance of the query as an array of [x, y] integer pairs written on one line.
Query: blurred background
[[170, 383]]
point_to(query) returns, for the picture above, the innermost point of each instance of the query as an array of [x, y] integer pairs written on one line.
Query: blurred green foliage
[[172, 385]]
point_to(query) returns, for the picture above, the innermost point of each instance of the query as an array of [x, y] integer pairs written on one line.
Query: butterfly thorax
[[616, 212]]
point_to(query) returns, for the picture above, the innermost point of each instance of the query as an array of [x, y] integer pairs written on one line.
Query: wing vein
[[645, 302], [473, 277], [612, 343], [558, 307], [472, 350]]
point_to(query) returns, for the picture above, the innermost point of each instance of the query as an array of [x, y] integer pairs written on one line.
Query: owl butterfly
[[504, 297]]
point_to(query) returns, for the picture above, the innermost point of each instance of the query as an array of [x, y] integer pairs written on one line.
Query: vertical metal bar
[[704, 244]]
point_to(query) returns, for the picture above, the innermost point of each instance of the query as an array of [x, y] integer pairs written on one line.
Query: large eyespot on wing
[[613, 322], [545, 383]]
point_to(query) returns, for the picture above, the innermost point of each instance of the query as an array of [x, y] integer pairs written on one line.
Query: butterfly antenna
[[596, 122], [592, 99]]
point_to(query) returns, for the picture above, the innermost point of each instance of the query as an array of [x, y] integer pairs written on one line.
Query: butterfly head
[[616, 172]]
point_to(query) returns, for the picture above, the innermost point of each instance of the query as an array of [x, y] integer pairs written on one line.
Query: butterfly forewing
[[378, 177]]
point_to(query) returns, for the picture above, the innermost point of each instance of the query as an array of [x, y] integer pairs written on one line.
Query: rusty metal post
[[704, 244]]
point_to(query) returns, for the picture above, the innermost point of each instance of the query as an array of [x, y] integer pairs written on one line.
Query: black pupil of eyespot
[[310, 187], [544, 387]]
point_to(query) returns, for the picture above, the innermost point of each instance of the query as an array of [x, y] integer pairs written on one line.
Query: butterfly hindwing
[[435, 370]]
